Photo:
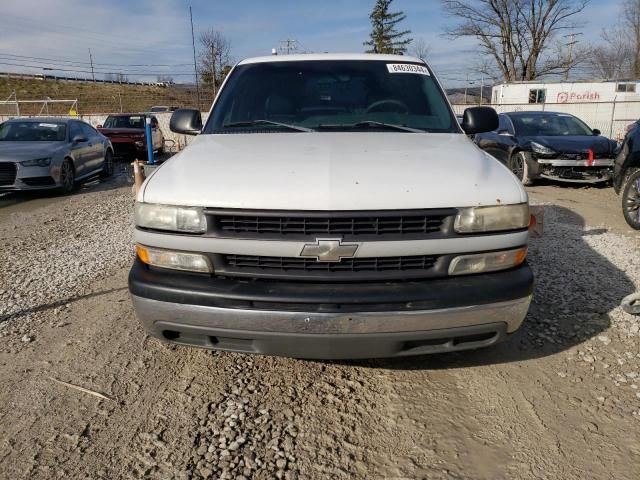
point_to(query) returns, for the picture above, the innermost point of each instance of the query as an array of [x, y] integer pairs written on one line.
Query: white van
[[332, 207]]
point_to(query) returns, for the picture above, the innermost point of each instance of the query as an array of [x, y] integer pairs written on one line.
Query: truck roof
[[332, 56]]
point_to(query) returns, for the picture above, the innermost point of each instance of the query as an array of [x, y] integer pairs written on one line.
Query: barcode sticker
[[407, 68]]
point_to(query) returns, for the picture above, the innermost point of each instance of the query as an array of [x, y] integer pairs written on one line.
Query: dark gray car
[[51, 153]]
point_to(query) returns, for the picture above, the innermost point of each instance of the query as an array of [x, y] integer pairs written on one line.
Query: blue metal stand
[[147, 129]]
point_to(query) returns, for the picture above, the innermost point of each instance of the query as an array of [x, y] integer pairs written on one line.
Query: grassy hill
[[95, 97]]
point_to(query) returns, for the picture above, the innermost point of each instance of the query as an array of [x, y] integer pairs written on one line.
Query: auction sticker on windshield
[[407, 68]]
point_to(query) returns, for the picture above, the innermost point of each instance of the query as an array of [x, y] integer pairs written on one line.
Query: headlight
[[541, 149], [492, 219], [188, 262], [487, 262], [167, 217], [37, 162]]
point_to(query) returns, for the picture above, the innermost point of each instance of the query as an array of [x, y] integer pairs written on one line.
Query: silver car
[[51, 153]]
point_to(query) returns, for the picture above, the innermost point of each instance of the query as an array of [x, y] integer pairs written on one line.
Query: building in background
[[565, 92]]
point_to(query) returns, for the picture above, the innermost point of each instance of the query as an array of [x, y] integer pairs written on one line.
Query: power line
[[114, 72], [61, 60], [85, 39]]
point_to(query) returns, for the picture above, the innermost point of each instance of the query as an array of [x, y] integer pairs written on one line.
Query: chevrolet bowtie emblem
[[329, 250]]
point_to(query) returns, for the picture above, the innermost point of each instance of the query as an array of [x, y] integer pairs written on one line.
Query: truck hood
[[332, 171]]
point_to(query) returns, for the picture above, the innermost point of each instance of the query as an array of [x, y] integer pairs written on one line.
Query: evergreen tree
[[384, 38]]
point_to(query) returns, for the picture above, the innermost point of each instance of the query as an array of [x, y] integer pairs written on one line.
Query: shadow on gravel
[[59, 303], [575, 289], [547, 182]]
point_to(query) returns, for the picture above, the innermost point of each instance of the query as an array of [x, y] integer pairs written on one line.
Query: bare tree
[[617, 54], [518, 34], [631, 25], [215, 55], [612, 57], [421, 49]]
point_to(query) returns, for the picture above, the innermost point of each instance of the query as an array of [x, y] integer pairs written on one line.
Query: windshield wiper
[[251, 123], [372, 124]]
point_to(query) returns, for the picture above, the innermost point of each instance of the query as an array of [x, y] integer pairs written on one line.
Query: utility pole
[[466, 84], [195, 65], [91, 61], [288, 45], [481, 87], [213, 70], [570, 44]]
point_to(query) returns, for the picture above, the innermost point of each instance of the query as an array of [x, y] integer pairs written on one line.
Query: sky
[[124, 35]]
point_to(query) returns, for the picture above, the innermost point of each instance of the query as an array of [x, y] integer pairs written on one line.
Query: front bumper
[[29, 178], [124, 148], [311, 320], [584, 171]]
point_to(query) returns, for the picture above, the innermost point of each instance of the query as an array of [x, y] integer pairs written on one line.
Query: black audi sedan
[[551, 145]]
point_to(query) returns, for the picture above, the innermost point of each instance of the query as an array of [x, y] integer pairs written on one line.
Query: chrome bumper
[[598, 162]]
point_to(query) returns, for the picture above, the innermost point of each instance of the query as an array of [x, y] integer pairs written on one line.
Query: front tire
[[107, 169], [631, 199], [67, 177], [524, 166]]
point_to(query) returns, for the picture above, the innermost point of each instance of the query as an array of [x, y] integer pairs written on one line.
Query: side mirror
[[479, 120], [187, 121], [79, 139], [596, 131]]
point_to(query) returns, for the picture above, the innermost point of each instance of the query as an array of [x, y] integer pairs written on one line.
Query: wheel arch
[[72, 161], [630, 164]]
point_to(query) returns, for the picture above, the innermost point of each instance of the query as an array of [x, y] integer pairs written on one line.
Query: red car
[[127, 135]]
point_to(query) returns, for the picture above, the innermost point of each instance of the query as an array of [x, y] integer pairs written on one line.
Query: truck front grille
[[377, 225], [370, 268], [8, 173]]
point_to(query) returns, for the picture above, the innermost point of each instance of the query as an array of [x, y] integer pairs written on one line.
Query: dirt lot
[[560, 400]]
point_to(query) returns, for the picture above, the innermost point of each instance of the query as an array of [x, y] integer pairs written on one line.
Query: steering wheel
[[400, 107]]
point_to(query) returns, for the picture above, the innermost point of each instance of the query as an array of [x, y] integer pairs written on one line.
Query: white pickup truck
[[332, 207]]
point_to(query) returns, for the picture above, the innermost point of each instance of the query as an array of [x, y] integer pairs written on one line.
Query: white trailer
[[565, 92], [609, 106]]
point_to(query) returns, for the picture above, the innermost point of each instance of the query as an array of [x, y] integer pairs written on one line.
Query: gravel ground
[[558, 400], [47, 261]]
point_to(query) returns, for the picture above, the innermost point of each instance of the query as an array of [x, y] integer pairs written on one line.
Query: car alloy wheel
[[67, 177], [107, 169], [631, 200], [517, 166], [523, 165]]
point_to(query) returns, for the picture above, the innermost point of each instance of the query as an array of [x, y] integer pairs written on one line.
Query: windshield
[[33, 132], [337, 95], [549, 125], [132, 121]]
